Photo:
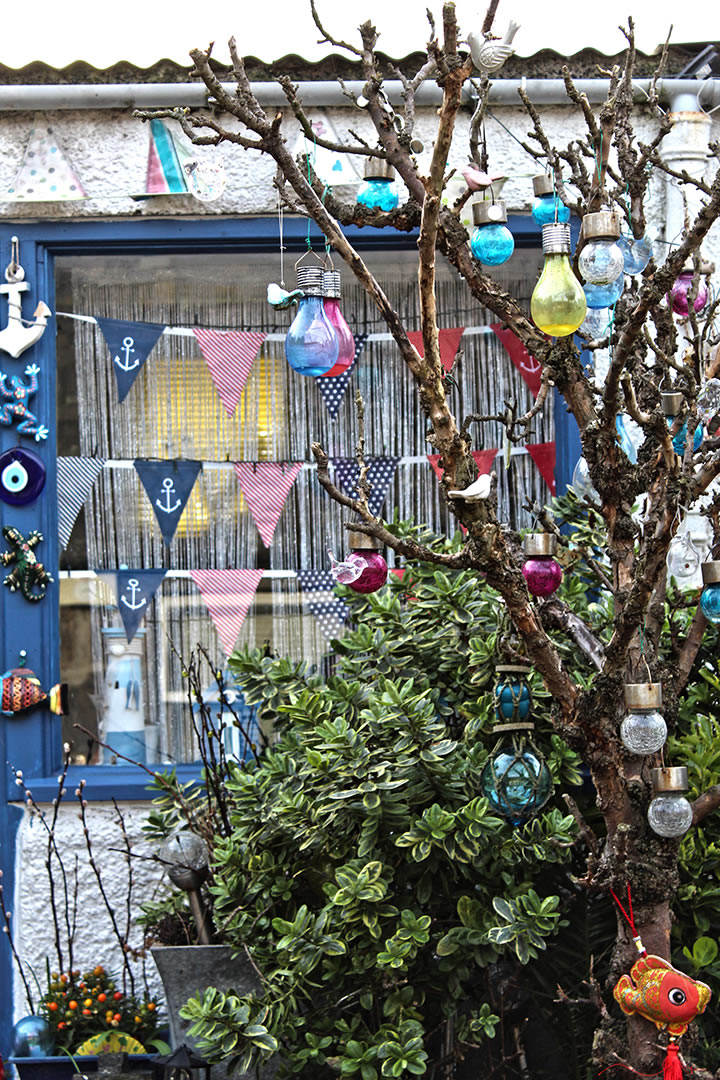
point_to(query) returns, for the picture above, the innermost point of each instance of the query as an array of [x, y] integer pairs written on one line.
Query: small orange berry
[[117, 1016], [138, 1020], [117, 995], [102, 997], [99, 970], [87, 1002], [72, 1004], [87, 1012], [52, 1006], [151, 1006]]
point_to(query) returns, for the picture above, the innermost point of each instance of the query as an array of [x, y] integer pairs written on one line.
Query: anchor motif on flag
[[127, 348], [169, 489], [133, 586]]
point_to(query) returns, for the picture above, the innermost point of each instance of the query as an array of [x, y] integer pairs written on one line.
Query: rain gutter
[[319, 94]]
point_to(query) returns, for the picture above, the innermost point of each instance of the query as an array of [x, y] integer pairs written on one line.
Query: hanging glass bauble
[[542, 574], [515, 780], [332, 293], [206, 179], [636, 253], [683, 558], [557, 304], [710, 596], [596, 323], [643, 730], [492, 242], [604, 296], [679, 295], [547, 207], [708, 401], [511, 697], [32, 1037], [672, 402], [582, 484], [601, 261], [378, 191], [311, 344], [670, 814], [373, 568]]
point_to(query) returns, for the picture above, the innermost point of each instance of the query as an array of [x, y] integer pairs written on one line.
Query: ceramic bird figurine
[[490, 53], [281, 298], [477, 491], [477, 180]]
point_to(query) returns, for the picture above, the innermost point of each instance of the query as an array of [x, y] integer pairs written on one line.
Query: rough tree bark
[[587, 719]]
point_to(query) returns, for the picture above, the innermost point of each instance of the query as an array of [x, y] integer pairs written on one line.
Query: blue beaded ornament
[[511, 697]]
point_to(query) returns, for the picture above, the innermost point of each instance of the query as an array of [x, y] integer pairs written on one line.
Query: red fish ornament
[[21, 690]]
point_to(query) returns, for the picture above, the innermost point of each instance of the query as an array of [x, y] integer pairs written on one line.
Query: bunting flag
[[380, 473], [449, 344], [526, 364], [228, 595], [167, 157], [543, 454], [229, 355], [266, 485], [130, 344], [76, 478], [331, 614], [330, 166], [134, 591], [483, 459], [333, 390], [45, 174], [398, 571], [316, 580], [168, 485]]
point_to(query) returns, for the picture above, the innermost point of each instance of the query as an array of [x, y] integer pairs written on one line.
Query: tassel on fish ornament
[[659, 992]]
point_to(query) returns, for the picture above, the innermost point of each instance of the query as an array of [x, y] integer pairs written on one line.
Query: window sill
[[103, 782]]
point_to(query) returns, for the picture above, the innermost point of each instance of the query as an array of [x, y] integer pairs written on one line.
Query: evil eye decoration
[[22, 476]]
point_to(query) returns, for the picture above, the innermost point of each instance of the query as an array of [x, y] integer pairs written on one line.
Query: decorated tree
[[633, 627]]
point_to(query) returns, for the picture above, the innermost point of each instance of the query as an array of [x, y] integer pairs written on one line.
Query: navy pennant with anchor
[[168, 485], [135, 590], [130, 344]]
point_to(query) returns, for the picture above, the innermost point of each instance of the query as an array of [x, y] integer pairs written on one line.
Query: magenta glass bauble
[[346, 341], [543, 576], [678, 295], [373, 576]]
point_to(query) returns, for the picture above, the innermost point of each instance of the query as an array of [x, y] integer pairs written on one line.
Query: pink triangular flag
[[483, 459], [398, 571], [526, 364], [228, 595], [266, 485], [543, 454], [229, 355], [449, 341]]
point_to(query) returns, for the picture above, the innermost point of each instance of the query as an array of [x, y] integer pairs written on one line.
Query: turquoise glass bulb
[[516, 782], [492, 244], [710, 603], [636, 253], [543, 210], [378, 194], [599, 296], [311, 345], [680, 437], [626, 444]]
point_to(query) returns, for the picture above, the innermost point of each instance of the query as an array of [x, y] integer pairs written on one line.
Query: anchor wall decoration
[[20, 335]]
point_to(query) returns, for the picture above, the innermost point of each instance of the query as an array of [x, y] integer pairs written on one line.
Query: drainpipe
[[685, 148]]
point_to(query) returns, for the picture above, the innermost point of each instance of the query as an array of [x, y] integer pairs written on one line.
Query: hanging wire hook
[[14, 271]]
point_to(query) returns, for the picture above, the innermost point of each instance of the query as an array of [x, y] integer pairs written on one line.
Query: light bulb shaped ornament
[[710, 596], [679, 295], [582, 484], [515, 779], [311, 344], [643, 730], [683, 559], [366, 551], [547, 207], [708, 401], [601, 260], [346, 341], [558, 303], [492, 242], [636, 253], [670, 814], [378, 190], [541, 572], [511, 697], [604, 296], [672, 402]]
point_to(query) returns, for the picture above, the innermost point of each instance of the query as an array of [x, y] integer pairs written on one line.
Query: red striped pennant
[[266, 485], [228, 595], [229, 355]]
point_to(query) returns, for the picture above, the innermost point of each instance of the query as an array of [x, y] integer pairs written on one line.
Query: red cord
[[630, 919]]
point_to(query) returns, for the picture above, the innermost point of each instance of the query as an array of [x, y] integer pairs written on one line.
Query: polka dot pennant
[[331, 614], [380, 473], [316, 580], [333, 390], [45, 174]]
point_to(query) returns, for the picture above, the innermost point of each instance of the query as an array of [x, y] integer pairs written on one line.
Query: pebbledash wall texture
[[108, 149]]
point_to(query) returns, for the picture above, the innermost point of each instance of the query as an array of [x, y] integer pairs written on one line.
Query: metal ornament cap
[[543, 185], [375, 169], [556, 238], [489, 213], [673, 778], [671, 402], [538, 545], [310, 280], [360, 541], [331, 284], [647, 695], [710, 572], [603, 225], [523, 670]]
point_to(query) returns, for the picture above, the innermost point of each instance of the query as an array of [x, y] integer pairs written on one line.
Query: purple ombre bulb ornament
[[542, 574], [678, 295], [375, 572]]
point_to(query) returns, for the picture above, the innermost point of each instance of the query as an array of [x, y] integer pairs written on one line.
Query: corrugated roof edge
[[543, 64]]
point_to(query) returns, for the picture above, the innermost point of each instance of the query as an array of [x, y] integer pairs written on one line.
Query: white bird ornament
[[476, 492], [490, 53]]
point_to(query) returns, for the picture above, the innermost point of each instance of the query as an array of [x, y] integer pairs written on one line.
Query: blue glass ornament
[[680, 437], [599, 296], [548, 208], [626, 444], [710, 596], [33, 1037], [378, 191], [311, 344], [492, 244], [516, 781], [636, 253], [512, 698]]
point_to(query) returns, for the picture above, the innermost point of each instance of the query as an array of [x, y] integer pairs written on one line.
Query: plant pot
[[63, 1067]]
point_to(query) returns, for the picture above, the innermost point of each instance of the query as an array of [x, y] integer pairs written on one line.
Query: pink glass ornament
[[678, 295], [346, 342], [543, 576], [373, 576]]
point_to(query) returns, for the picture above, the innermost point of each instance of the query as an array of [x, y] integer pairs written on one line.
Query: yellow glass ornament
[[558, 304]]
